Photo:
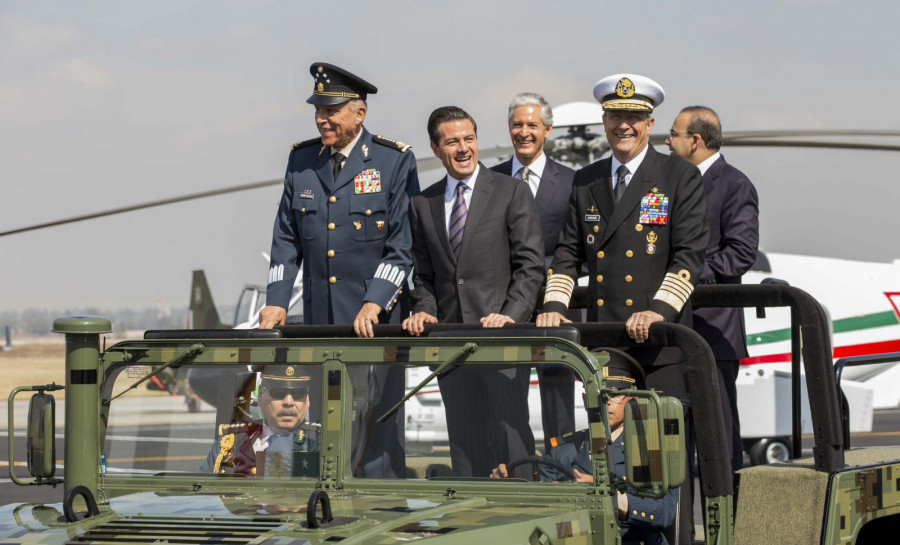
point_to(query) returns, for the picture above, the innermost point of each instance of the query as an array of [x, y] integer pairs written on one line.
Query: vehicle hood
[[279, 518]]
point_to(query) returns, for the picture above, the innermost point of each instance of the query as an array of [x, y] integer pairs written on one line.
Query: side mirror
[[41, 444], [654, 444]]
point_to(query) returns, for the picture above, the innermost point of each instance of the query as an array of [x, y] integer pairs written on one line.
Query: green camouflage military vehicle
[[139, 468]]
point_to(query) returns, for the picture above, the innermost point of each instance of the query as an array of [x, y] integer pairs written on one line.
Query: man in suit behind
[[638, 219], [478, 258], [530, 123], [733, 211]]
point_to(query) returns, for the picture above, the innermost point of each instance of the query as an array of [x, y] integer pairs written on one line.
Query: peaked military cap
[[622, 371], [334, 85], [286, 374], [628, 92]]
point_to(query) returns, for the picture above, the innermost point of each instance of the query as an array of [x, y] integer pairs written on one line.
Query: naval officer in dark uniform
[[283, 444], [638, 219], [343, 216]]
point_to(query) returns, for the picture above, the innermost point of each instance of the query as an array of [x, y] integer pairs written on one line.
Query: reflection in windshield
[[267, 422], [262, 425]]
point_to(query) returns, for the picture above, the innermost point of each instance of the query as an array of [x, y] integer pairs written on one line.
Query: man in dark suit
[[638, 219], [343, 217], [478, 258], [530, 123], [733, 210]]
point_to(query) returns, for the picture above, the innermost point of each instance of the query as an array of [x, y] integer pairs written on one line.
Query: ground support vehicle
[[133, 457]]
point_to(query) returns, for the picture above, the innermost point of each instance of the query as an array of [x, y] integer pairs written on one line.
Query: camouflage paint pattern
[[858, 496]]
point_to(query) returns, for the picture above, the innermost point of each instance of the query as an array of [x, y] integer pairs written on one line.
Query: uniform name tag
[[367, 181], [592, 217], [307, 194], [654, 209]]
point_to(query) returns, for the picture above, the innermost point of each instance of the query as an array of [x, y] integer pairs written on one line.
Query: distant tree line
[[37, 322]]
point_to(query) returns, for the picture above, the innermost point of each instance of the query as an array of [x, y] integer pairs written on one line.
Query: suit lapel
[[438, 215], [484, 186], [546, 187], [601, 190], [323, 169], [641, 182]]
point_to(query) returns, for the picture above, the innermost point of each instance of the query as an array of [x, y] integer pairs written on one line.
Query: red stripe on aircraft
[[839, 352]]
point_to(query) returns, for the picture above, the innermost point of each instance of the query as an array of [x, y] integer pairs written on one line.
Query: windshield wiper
[[457, 358], [189, 353]]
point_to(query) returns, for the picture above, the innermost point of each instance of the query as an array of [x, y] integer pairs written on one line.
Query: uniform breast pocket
[[306, 216], [368, 217]]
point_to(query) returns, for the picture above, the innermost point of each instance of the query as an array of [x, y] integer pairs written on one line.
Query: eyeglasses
[[281, 393]]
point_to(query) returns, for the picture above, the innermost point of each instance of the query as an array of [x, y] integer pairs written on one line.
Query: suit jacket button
[[628, 278], [368, 212], [330, 253], [460, 281], [599, 302], [628, 302], [331, 227], [600, 254], [599, 278], [629, 253], [332, 280], [332, 199]]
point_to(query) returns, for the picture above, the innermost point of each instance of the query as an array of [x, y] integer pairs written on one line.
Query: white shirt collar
[[450, 191], [632, 165], [346, 151], [704, 166], [536, 167]]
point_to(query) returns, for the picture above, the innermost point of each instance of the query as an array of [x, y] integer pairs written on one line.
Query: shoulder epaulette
[[306, 143], [576, 437], [396, 144], [236, 427], [311, 426]]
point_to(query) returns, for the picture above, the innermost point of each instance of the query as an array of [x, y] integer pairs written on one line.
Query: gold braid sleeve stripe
[[674, 291], [559, 289]]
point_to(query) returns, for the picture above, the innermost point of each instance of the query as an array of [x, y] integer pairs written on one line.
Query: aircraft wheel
[[193, 404], [769, 450]]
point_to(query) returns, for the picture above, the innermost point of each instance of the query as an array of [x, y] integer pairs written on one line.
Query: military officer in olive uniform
[[284, 444], [343, 215], [638, 220]]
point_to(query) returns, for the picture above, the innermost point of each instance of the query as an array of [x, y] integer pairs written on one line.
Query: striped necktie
[[458, 218], [523, 173]]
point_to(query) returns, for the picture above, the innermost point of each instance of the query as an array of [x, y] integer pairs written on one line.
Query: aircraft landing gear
[[769, 450]]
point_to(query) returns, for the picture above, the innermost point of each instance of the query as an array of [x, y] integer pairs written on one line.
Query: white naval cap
[[629, 92]]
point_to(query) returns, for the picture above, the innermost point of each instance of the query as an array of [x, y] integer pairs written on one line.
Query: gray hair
[[532, 99]]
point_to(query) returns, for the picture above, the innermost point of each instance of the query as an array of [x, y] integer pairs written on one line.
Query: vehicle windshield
[[266, 421]]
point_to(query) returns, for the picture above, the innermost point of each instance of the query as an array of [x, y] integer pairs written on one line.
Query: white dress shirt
[[535, 171], [450, 194]]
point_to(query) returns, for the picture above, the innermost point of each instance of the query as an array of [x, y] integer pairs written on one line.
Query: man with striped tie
[[479, 259]]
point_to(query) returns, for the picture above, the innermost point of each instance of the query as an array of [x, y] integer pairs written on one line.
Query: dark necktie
[[523, 173], [338, 159], [458, 218], [621, 173]]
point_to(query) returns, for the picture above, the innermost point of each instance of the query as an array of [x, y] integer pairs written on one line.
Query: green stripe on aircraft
[[844, 325]]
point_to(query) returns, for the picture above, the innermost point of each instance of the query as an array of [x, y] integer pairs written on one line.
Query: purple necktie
[[458, 218]]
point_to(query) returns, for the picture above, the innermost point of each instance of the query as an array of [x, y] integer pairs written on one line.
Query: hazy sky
[[105, 104]]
